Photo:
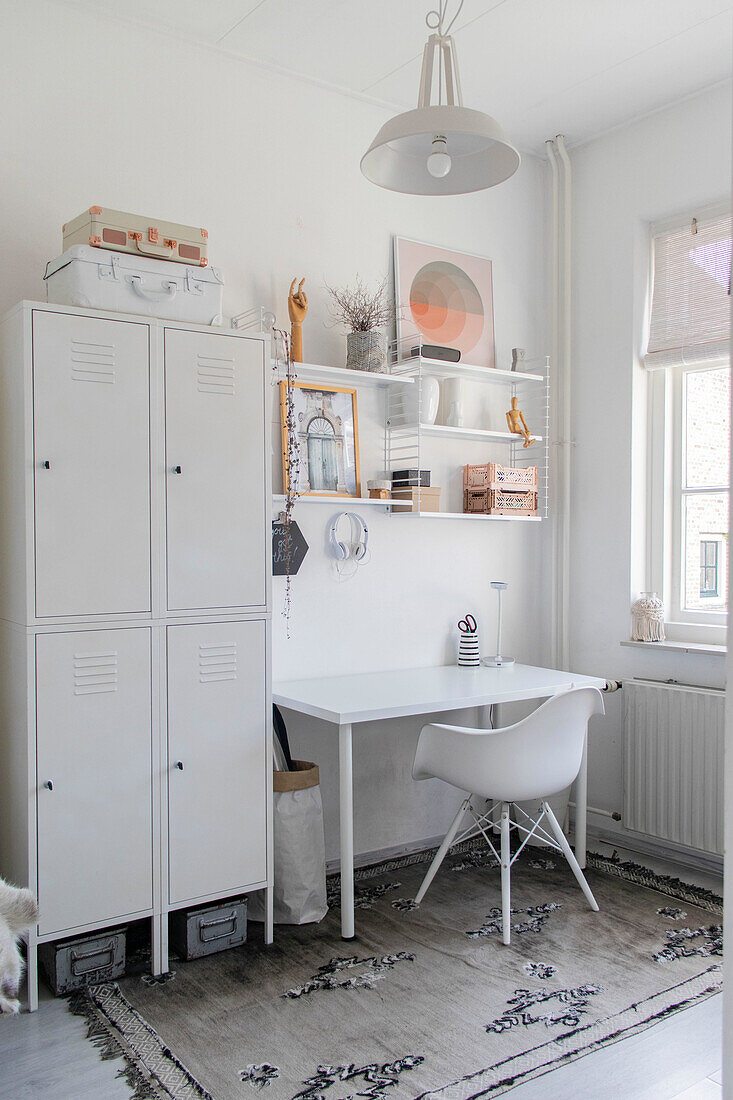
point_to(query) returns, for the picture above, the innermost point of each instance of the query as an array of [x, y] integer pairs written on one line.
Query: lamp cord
[[434, 20]]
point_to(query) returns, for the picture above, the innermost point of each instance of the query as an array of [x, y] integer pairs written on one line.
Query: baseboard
[[661, 849], [633, 842], [364, 859]]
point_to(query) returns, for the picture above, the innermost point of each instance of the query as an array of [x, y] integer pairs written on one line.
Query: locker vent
[[95, 673], [217, 662], [92, 362], [215, 375]]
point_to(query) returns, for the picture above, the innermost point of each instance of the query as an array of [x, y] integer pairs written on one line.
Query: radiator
[[673, 763]]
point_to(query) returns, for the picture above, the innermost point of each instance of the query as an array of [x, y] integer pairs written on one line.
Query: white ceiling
[[540, 67]]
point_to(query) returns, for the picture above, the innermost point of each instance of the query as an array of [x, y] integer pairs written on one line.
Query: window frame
[[665, 506]]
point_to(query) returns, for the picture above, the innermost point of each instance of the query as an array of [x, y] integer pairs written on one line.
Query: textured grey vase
[[366, 351]]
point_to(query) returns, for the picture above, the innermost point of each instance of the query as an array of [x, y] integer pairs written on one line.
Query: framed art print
[[328, 437], [446, 297]]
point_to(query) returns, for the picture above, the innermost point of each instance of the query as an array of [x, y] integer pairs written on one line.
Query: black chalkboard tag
[[298, 548]]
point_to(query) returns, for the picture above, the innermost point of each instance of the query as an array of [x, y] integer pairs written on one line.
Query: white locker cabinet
[[134, 619], [91, 430], [216, 758], [215, 464], [94, 776]]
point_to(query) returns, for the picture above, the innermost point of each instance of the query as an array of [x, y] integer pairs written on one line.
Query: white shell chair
[[533, 759]]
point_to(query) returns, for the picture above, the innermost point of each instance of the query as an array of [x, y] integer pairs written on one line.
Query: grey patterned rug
[[425, 1003]]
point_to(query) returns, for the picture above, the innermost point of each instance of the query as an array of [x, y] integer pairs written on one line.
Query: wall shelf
[[341, 376], [409, 443], [466, 515], [437, 368], [347, 503], [480, 434]]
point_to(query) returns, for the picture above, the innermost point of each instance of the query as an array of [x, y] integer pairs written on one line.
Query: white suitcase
[[90, 277]]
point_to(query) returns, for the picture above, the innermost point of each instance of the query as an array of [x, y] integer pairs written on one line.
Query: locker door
[[94, 748], [216, 758], [215, 459], [92, 465]]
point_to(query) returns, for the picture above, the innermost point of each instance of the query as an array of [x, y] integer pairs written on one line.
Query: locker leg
[[156, 945], [31, 976], [269, 922]]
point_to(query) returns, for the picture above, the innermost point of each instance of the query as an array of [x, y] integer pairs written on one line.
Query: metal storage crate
[[204, 931]]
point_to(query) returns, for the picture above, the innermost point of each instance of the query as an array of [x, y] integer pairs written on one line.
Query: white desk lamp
[[498, 661]]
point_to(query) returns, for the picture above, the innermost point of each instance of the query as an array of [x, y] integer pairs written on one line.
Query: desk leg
[[581, 806], [346, 807]]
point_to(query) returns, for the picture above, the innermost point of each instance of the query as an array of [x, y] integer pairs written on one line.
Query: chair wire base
[[528, 827]]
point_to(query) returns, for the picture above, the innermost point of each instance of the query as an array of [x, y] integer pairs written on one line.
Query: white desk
[[344, 701]]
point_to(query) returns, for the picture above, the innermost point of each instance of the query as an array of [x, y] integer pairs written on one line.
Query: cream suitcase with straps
[[100, 227]]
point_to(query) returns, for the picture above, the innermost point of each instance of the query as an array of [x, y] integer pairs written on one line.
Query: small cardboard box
[[425, 499]]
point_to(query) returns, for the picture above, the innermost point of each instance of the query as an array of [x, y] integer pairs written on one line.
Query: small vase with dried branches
[[292, 455], [364, 311]]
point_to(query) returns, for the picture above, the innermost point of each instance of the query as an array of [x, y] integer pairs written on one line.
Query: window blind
[[690, 315]]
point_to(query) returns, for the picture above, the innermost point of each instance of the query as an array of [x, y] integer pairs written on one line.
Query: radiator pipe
[[596, 810]]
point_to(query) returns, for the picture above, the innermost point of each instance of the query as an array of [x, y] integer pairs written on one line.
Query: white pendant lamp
[[441, 148]]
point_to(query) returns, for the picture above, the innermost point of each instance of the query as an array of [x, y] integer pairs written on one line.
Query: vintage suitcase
[[89, 277], [198, 932], [99, 227], [72, 964]]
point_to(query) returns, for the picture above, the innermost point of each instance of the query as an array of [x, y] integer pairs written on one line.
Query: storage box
[[86, 960], [492, 475], [404, 479], [99, 227], [199, 932], [411, 500], [90, 277], [499, 502]]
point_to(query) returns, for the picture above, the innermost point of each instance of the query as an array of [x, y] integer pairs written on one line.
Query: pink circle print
[[446, 306]]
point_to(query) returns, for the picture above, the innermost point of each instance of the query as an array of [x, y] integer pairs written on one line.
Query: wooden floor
[[46, 1056]]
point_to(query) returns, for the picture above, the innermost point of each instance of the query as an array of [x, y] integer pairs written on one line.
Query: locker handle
[[177, 470], [48, 785], [46, 465], [179, 765]]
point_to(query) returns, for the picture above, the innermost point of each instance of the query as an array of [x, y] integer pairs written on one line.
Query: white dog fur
[[18, 910]]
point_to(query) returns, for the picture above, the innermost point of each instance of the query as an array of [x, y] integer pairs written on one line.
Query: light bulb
[[439, 162]]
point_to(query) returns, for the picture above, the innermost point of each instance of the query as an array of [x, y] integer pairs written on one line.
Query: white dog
[[18, 910]]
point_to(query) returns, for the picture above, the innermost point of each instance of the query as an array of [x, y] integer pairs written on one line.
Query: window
[[689, 438], [709, 569]]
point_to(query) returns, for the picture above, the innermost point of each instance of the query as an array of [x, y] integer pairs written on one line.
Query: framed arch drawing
[[447, 298], [328, 440]]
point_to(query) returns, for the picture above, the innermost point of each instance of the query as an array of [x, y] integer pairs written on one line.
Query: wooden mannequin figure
[[517, 423], [297, 309]]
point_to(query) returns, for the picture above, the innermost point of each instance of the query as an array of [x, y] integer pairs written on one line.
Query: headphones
[[354, 550]]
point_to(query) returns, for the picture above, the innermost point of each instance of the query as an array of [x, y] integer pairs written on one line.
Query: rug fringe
[[110, 1048]]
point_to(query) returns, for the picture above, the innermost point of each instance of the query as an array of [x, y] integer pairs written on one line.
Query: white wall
[[95, 111], [663, 165]]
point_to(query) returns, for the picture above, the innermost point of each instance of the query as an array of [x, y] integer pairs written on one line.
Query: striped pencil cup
[[468, 650]]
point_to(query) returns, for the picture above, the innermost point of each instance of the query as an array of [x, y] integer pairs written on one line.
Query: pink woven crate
[[492, 475], [476, 501], [510, 502]]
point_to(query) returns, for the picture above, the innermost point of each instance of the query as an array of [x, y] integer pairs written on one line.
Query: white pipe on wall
[[556, 432], [565, 358], [561, 345]]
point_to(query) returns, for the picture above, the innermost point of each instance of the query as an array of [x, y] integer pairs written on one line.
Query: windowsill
[[681, 647]]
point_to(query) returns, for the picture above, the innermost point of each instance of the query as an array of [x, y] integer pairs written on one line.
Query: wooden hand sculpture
[[297, 309], [517, 424]]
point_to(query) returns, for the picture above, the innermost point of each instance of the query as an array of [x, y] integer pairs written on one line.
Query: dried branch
[[293, 465], [359, 308]]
